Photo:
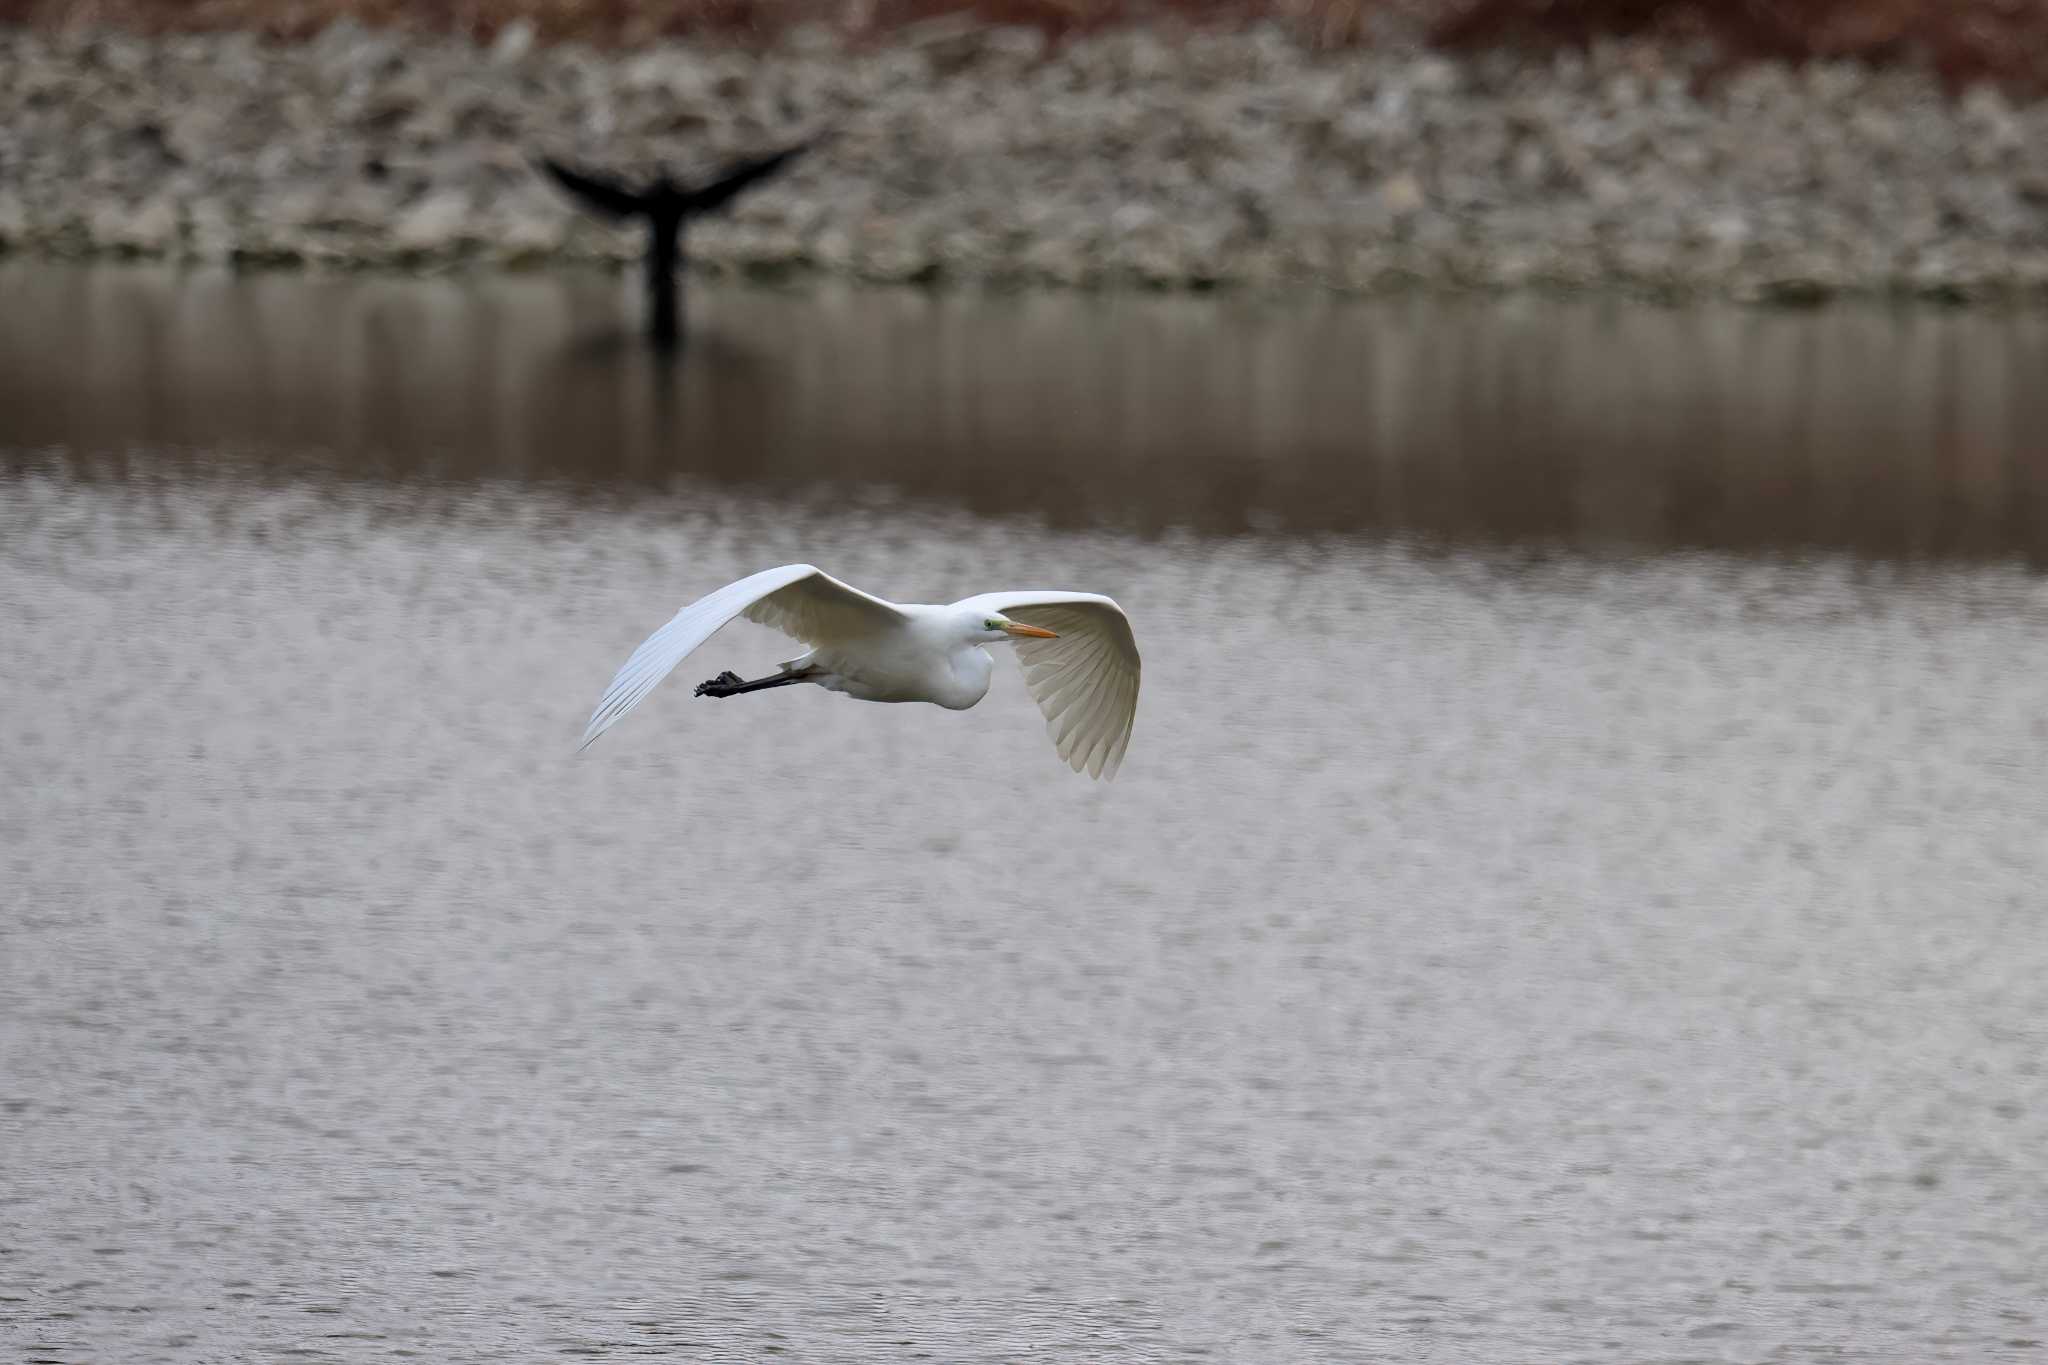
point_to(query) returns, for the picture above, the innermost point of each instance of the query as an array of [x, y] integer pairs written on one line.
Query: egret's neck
[[970, 668]]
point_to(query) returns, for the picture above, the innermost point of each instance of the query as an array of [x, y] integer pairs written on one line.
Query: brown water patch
[[1909, 435]]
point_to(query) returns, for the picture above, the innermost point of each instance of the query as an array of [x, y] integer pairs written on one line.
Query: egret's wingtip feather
[[1086, 681]]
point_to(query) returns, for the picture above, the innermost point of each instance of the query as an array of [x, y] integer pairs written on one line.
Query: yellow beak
[[1035, 632]]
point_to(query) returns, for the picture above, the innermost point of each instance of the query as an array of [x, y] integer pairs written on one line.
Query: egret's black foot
[[724, 685]]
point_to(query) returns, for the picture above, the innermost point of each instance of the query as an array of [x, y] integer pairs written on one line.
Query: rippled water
[[1626, 954]]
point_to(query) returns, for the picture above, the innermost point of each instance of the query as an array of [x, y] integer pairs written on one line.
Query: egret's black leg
[[730, 684]]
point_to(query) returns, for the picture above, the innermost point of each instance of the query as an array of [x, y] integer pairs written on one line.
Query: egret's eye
[[993, 625]]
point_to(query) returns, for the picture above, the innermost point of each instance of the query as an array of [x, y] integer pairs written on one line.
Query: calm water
[[1576, 890], [1587, 426]]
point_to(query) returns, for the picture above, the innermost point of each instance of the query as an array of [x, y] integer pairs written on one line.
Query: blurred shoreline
[[967, 153]]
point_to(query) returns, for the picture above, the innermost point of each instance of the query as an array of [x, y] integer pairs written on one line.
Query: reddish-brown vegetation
[[2004, 41]]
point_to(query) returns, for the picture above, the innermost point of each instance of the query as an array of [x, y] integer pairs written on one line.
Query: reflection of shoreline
[[1896, 435]]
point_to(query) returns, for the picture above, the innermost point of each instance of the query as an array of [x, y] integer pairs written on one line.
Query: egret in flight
[[1080, 660]]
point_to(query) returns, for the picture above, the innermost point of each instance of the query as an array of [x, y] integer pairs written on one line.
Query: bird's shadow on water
[[615, 347], [629, 410]]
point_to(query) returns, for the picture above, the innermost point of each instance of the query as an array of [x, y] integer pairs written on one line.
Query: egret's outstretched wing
[[1086, 682], [802, 602]]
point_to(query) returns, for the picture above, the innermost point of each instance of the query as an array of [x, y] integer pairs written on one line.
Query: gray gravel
[[978, 154]]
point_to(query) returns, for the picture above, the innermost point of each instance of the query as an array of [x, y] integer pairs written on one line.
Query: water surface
[[1628, 953], [1585, 425]]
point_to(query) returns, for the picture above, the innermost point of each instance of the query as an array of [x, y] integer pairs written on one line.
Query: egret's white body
[[1080, 660]]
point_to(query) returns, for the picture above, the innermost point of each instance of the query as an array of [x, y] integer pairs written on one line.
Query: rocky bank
[[980, 154]]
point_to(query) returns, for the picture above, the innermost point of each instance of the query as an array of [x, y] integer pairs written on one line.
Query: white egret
[[1080, 660]]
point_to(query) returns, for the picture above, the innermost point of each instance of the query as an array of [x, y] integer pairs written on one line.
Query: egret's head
[[996, 628]]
